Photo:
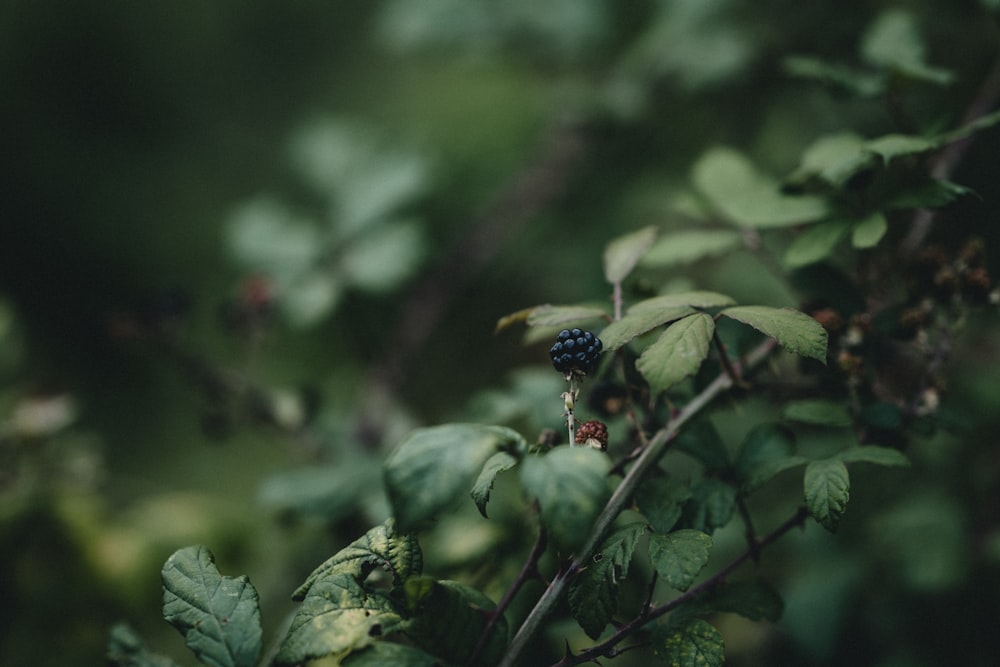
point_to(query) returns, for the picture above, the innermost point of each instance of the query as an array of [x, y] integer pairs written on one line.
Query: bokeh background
[[246, 246]]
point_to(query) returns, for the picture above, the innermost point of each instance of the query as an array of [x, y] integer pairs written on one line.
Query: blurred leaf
[[623, 254], [380, 654], [383, 258], [763, 472], [218, 616], [795, 331], [593, 594], [433, 467], [926, 194], [761, 448], [818, 411], [448, 619], [678, 352], [816, 243], [832, 159], [883, 456], [514, 318], [827, 489], [839, 77], [732, 184], [556, 316], [893, 42], [382, 546], [661, 501], [126, 649], [329, 492], [635, 323], [711, 505], [754, 599], [690, 642], [892, 146], [688, 246], [679, 556], [495, 465], [311, 297], [570, 484], [337, 616], [701, 440], [868, 232]]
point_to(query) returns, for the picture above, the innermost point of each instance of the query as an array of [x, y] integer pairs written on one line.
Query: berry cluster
[[576, 351]]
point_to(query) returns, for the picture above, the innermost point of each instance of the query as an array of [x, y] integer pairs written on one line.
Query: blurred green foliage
[[248, 247]]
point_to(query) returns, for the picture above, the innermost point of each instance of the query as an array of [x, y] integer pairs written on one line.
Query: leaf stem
[[619, 499]]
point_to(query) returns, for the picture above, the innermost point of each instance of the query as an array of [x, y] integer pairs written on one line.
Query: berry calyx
[[576, 351]]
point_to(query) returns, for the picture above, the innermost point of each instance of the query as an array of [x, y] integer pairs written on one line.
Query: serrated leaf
[[495, 465], [126, 649], [762, 446], [218, 616], [381, 654], [448, 619], [678, 352], [883, 456], [661, 501], [571, 486], [754, 599], [679, 556], [815, 243], [827, 488], [434, 467], [734, 187], [593, 595], [691, 245], [337, 616], [636, 323], [711, 505], [623, 254], [868, 232], [818, 411], [691, 642], [795, 331], [556, 316], [382, 546], [695, 299]]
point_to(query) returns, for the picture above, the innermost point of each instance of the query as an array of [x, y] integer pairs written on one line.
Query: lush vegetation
[[281, 283]]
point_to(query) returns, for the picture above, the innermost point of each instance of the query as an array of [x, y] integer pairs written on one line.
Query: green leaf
[[661, 501], [868, 232], [733, 186], [329, 492], [678, 352], [571, 486], [831, 159], [827, 488], [883, 456], [754, 599], [685, 247], [593, 595], [636, 323], [679, 556], [930, 193], [762, 473], [762, 446], [556, 316], [381, 654], [893, 42], [815, 243], [711, 504], [818, 411], [702, 441], [337, 616], [126, 649], [840, 77], [623, 254], [434, 467], [449, 618], [695, 299], [795, 331], [382, 546], [218, 616], [495, 465], [691, 642]]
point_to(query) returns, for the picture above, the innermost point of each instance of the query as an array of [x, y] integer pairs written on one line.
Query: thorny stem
[[619, 500], [607, 647], [528, 571]]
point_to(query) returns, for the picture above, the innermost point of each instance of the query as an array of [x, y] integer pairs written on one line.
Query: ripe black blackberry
[[576, 351]]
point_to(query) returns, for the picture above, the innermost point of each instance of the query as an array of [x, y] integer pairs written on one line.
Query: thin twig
[[619, 500]]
